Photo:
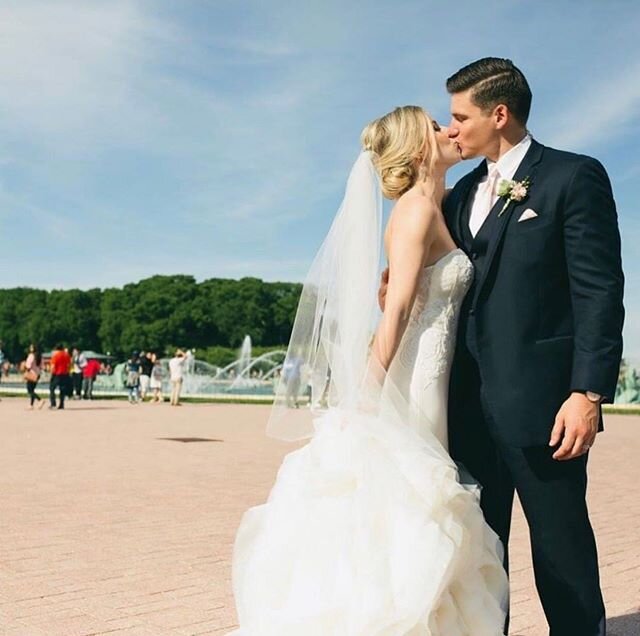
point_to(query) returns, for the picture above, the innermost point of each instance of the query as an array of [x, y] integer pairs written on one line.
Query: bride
[[370, 528]]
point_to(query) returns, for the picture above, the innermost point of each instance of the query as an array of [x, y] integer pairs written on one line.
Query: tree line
[[154, 314]]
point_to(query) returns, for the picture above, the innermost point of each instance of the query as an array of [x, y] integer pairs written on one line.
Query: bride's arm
[[408, 246]]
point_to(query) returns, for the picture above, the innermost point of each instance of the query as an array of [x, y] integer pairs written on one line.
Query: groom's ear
[[501, 116]]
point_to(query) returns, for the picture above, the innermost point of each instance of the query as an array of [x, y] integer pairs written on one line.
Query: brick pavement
[[109, 526]]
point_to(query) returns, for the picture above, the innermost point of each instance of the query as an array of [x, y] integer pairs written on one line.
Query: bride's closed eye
[[436, 125]]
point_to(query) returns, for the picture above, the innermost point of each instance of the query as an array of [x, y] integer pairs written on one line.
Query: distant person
[[176, 372], [68, 383], [89, 374], [291, 372], [4, 362], [76, 374], [157, 376], [82, 359], [33, 369], [60, 364], [132, 378], [146, 365], [3, 359]]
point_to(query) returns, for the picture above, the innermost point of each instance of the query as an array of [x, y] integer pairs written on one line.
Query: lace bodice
[[433, 320], [442, 287], [423, 361]]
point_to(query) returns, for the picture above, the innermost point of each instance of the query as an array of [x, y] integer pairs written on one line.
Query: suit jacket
[[545, 313]]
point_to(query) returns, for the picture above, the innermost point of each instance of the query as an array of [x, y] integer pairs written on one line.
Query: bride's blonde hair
[[403, 142]]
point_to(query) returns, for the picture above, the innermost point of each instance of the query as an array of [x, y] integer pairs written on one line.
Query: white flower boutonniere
[[513, 190]]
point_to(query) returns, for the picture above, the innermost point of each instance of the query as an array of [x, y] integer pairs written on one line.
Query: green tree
[[152, 314]]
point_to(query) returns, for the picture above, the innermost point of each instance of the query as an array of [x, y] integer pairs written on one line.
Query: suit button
[[474, 255], [472, 312]]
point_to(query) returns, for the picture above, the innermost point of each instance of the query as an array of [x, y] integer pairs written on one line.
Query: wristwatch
[[596, 398]]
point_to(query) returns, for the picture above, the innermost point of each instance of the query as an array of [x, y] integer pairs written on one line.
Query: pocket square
[[527, 214]]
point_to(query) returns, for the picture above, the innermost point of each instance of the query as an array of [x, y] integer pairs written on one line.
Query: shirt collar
[[510, 160]]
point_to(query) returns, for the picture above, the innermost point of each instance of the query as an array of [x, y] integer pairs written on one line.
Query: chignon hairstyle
[[398, 141]]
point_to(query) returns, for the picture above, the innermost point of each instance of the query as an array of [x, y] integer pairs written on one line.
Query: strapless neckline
[[445, 257]]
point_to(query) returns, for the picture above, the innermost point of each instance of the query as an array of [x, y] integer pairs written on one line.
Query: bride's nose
[[446, 131]]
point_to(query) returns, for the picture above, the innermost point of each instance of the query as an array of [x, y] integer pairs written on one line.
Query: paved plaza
[[119, 519]]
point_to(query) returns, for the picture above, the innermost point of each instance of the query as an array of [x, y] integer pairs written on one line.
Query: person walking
[[33, 369], [60, 364], [146, 365]]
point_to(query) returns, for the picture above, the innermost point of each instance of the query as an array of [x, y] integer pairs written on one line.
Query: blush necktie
[[485, 200]]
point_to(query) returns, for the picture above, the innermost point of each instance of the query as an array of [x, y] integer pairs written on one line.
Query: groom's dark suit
[[542, 319]]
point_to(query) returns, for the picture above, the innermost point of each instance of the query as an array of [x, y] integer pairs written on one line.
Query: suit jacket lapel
[[525, 169]]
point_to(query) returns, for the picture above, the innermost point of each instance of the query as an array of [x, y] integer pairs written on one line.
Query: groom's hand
[[576, 426], [382, 292]]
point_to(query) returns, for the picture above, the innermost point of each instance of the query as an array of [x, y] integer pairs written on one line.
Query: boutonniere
[[513, 190]]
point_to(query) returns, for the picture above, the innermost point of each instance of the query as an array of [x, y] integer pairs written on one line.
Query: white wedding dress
[[368, 530]]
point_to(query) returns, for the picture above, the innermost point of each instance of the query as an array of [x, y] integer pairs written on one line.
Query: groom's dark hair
[[494, 81]]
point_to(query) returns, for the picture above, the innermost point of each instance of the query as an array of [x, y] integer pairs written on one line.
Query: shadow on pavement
[[86, 408], [627, 625], [189, 439]]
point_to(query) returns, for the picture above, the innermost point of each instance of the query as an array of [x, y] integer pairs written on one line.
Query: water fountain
[[628, 389], [242, 380], [202, 378], [245, 355]]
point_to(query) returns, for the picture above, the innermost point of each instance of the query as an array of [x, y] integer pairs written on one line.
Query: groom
[[539, 340]]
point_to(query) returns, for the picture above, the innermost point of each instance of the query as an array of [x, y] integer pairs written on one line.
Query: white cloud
[[601, 112], [69, 71], [604, 108]]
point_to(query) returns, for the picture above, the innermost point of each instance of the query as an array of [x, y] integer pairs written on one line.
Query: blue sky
[[213, 137]]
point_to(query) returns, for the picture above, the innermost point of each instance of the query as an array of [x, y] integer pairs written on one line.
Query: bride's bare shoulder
[[413, 212]]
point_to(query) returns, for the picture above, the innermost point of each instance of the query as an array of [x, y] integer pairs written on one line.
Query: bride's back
[[412, 211]]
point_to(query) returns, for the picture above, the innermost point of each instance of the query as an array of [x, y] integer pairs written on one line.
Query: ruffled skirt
[[368, 532]]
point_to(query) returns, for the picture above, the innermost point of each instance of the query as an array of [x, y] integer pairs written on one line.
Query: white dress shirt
[[505, 168]]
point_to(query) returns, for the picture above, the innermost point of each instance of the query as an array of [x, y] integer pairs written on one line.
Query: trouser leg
[[176, 385], [472, 445], [564, 552], [63, 381], [53, 383], [76, 380], [31, 390]]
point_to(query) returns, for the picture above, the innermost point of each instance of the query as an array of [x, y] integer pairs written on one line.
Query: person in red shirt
[[60, 363], [89, 373]]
